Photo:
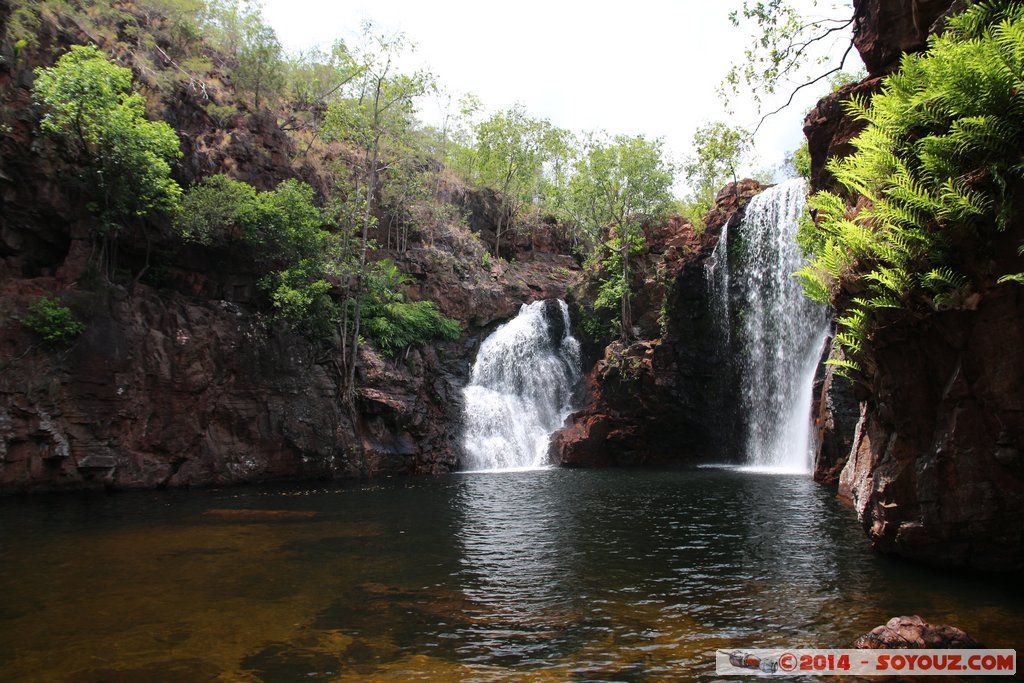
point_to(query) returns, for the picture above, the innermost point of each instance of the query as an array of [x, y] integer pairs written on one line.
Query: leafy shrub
[[282, 225], [52, 321], [398, 325], [937, 162], [89, 104], [284, 229], [302, 299]]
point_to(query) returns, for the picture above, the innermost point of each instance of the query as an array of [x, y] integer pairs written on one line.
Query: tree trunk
[[626, 321], [371, 189]]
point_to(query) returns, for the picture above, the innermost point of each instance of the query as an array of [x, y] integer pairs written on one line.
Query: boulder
[[914, 633]]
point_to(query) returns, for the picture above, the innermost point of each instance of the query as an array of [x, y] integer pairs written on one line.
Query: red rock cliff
[[935, 470]]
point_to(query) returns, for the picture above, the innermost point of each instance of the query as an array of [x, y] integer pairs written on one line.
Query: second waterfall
[[524, 380], [774, 332]]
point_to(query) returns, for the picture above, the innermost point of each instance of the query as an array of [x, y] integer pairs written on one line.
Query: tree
[[377, 119], [317, 78], [88, 104], [615, 182], [718, 150], [511, 150], [786, 44]]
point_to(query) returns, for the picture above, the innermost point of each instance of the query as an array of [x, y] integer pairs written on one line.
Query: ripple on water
[[544, 575]]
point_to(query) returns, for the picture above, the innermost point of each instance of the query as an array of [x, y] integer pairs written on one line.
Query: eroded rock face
[[934, 469], [835, 413], [937, 467], [664, 399], [164, 391], [914, 633], [886, 29]]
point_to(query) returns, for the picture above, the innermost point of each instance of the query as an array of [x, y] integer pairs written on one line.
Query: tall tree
[[617, 181], [511, 150], [377, 119], [718, 150], [89, 104]]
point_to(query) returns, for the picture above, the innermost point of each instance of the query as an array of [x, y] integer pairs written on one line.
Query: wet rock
[[835, 413], [914, 633], [931, 472]]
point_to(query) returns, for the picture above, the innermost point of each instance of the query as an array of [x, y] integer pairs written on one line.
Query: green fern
[[939, 157]]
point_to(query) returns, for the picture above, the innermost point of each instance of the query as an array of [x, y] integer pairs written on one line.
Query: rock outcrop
[[884, 30], [936, 472], [934, 465], [666, 398], [914, 633], [180, 378]]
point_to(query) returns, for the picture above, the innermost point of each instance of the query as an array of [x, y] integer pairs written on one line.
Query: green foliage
[[397, 325], [216, 208], [380, 108], [612, 289], [800, 160], [718, 151], [23, 25], [261, 68], [316, 78], [52, 321], [301, 298], [510, 154], [937, 162], [282, 225], [284, 228], [88, 104], [787, 47], [841, 79], [616, 182]]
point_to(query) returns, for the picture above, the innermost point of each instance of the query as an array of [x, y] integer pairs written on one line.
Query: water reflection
[[515, 565], [544, 575]]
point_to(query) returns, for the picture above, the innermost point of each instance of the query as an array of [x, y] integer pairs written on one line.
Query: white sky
[[639, 67]]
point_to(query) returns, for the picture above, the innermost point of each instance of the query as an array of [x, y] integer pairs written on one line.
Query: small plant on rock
[[52, 321]]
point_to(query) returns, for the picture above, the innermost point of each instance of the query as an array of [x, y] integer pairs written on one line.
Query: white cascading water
[[522, 389], [777, 331]]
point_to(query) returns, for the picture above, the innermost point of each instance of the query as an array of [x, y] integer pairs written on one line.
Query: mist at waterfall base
[[775, 331], [524, 380]]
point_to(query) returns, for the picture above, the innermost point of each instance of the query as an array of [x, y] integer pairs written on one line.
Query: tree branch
[[807, 84]]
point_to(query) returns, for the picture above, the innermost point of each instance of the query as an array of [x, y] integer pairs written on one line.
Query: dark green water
[[545, 575]]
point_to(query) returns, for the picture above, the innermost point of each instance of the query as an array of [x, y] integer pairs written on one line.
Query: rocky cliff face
[[934, 466], [885, 30], [180, 378], [666, 398]]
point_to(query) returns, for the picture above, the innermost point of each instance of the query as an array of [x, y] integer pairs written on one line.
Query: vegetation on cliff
[[938, 167], [367, 180]]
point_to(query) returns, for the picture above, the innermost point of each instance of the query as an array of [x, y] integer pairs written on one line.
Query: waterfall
[[776, 332], [524, 380]]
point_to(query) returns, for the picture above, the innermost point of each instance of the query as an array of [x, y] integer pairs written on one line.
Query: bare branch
[[806, 84]]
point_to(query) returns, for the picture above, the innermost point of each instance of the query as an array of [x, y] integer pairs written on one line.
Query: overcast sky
[[639, 66]]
